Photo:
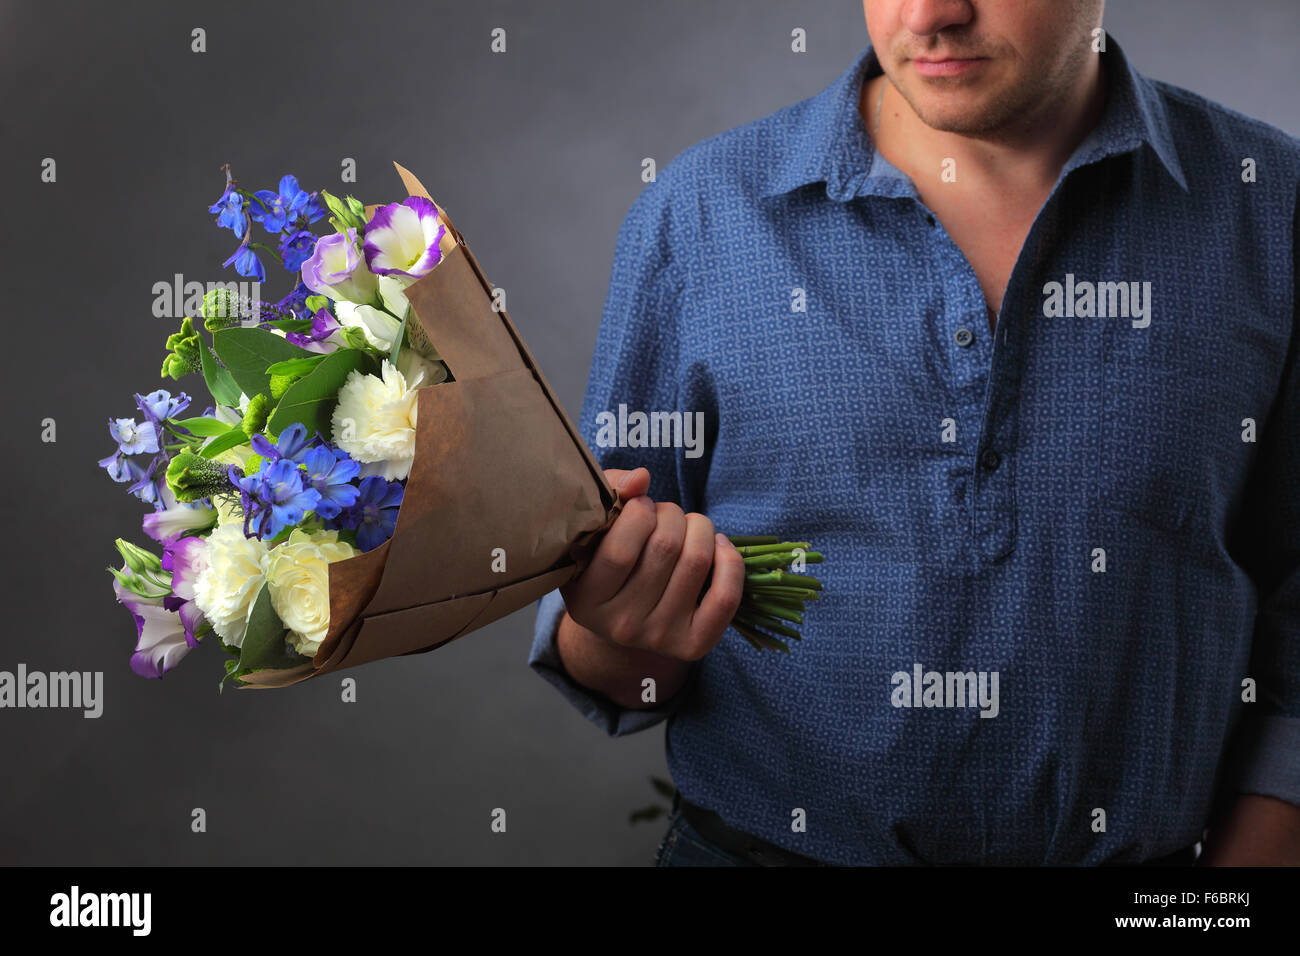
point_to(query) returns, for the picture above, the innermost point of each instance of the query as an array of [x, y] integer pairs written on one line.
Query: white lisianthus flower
[[226, 589], [379, 327], [374, 421], [297, 575]]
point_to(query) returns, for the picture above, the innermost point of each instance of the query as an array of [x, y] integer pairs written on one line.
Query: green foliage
[[311, 400], [264, 645], [247, 352]]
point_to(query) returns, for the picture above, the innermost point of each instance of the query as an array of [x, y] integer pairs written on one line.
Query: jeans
[[682, 845]]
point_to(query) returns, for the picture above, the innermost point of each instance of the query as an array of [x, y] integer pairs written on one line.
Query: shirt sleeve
[[634, 368], [1265, 753]]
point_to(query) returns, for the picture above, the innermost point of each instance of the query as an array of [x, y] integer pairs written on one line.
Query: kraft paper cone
[[477, 436]]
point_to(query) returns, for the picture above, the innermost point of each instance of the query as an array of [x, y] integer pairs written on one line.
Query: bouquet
[[332, 501]]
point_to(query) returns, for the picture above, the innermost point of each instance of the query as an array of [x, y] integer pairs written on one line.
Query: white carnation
[[297, 575], [226, 589], [374, 421]]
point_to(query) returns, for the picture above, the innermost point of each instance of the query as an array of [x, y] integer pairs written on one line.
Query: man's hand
[[634, 609], [641, 587]]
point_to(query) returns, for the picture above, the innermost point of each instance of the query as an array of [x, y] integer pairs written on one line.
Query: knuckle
[[662, 548], [696, 563]]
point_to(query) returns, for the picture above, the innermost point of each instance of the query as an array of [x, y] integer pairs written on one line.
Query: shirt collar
[[829, 143]]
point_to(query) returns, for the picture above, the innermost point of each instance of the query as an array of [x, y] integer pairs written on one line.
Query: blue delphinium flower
[[331, 472], [292, 445], [247, 264], [274, 210], [149, 480], [374, 515], [231, 209], [296, 248], [160, 405], [295, 303], [144, 438], [313, 210], [133, 439], [274, 497]]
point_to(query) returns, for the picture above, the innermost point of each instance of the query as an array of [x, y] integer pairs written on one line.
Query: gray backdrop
[[536, 154]]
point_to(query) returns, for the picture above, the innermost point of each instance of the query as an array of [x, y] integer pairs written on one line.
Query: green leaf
[[231, 439], [290, 325], [312, 398], [298, 367], [203, 427], [248, 351], [220, 383], [399, 338], [264, 646]]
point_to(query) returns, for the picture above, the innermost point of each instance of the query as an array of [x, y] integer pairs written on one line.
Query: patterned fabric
[[1095, 530]]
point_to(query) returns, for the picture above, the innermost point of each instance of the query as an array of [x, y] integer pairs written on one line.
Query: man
[[1008, 332]]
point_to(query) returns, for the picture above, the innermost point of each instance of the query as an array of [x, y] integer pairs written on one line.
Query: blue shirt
[[1099, 503]]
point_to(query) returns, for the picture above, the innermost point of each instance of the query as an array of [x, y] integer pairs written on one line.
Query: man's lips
[[947, 66]]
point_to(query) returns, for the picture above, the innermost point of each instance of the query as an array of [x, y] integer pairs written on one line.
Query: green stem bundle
[[773, 597]]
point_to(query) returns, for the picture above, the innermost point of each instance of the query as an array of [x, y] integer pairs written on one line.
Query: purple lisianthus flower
[[323, 325], [231, 209], [374, 514], [177, 517], [295, 248], [275, 210], [275, 496], [247, 264], [331, 476], [403, 238], [186, 558], [161, 641], [337, 270]]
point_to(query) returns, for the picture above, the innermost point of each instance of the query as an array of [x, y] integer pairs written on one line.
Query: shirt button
[[964, 337], [990, 459], [929, 219]]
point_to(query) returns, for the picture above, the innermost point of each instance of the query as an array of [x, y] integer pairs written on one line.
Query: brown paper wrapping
[[498, 464]]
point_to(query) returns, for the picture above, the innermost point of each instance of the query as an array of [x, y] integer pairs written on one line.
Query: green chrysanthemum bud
[[191, 477], [279, 385], [221, 309], [259, 410], [354, 337], [184, 357]]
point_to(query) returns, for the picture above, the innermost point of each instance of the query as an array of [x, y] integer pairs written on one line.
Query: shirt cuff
[[544, 658], [1266, 758]]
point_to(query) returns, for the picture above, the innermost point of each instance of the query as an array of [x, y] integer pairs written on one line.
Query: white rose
[[297, 575], [374, 422], [226, 589]]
